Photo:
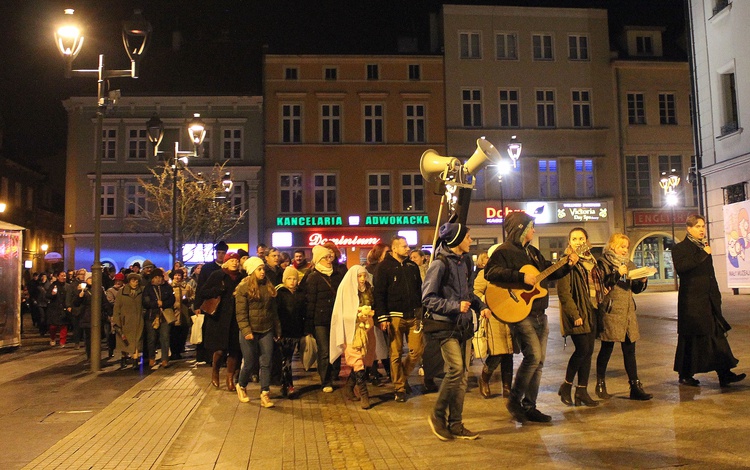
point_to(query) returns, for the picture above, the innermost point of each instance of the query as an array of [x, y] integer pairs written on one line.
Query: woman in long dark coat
[[127, 320], [702, 344], [221, 334]]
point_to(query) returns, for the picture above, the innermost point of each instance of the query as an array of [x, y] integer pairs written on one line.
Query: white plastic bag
[[196, 331]]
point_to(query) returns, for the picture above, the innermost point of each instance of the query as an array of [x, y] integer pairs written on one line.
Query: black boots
[[215, 366], [601, 389], [348, 389], [637, 392], [362, 386], [728, 377], [484, 382], [564, 393], [506, 372], [583, 398]]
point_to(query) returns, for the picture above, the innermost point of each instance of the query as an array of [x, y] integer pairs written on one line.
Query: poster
[[11, 249], [737, 239]]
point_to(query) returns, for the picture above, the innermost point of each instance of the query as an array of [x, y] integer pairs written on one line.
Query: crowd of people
[[251, 314]]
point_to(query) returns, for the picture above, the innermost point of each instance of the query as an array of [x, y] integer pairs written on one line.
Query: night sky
[[220, 51]]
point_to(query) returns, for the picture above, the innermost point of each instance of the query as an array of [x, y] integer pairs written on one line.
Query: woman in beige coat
[[499, 343], [127, 320]]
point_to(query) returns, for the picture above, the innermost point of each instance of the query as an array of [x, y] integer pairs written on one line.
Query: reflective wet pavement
[[173, 419]]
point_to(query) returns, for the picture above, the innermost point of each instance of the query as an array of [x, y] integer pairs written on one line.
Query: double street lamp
[[197, 132], [69, 39], [669, 184]]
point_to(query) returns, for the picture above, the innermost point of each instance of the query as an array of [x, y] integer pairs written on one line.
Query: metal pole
[[174, 203], [96, 268], [502, 208]]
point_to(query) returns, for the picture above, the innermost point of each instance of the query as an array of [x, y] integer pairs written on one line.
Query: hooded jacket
[[398, 289]]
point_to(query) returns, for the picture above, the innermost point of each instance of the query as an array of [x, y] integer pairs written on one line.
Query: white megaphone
[[432, 165], [485, 154]]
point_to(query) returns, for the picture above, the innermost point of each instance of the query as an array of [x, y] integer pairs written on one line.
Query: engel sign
[[341, 240]]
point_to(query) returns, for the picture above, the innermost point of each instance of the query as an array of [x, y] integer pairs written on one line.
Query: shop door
[[656, 252]]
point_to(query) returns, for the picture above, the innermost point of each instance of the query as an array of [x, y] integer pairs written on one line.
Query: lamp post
[[514, 152], [669, 184], [69, 40]]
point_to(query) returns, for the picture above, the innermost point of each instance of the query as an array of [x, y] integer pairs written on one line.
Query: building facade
[[343, 141], [719, 37], [234, 135]]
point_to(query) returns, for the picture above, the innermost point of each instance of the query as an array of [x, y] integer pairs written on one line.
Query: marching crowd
[[250, 314]]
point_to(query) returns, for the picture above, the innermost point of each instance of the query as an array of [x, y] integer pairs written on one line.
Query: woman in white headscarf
[[352, 330]]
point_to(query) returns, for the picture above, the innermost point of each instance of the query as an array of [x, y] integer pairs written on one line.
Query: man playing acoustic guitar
[[515, 264]]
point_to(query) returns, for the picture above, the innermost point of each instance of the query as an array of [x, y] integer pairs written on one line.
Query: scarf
[[323, 270], [232, 274], [697, 241], [614, 259]]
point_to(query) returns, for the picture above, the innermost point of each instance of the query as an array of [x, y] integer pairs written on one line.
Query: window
[[29, 197], [324, 191], [512, 182], [330, 123], [509, 107], [290, 193], [636, 109], [666, 109], [415, 72], [581, 108], [585, 186], [372, 72], [720, 5], [379, 192], [109, 144], [471, 104], [237, 198], [578, 47], [470, 45], [204, 151], [545, 108], [412, 192], [506, 46], [735, 193], [373, 121], [331, 73], [17, 191], [232, 143], [137, 144], [135, 200], [290, 73], [542, 46], [638, 181], [548, 187], [729, 100], [291, 123], [415, 123], [644, 45], [670, 164], [108, 195]]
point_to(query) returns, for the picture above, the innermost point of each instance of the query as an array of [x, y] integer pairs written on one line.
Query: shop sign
[[659, 217], [493, 215], [581, 211], [397, 220], [342, 240], [309, 221]]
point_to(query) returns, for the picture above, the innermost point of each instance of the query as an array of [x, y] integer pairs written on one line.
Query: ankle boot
[[601, 389], [231, 369], [362, 386], [637, 392], [348, 389], [484, 382], [506, 372], [215, 365], [583, 398], [564, 393]]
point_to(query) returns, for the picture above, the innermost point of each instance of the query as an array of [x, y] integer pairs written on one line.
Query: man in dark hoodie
[[504, 267]]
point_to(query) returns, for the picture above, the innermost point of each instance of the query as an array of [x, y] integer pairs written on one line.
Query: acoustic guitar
[[511, 303]]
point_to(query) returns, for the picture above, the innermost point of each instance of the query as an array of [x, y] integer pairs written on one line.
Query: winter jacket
[[499, 338], [128, 315], [56, 313], [320, 293], [291, 311], [151, 296], [220, 330], [397, 289], [618, 311], [256, 315], [575, 302]]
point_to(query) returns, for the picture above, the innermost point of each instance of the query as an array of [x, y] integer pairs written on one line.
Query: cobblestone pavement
[[173, 419]]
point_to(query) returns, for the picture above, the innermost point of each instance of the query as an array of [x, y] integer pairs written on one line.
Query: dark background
[[220, 47]]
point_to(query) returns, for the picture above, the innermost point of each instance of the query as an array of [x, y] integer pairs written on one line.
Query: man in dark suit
[[702, 345]]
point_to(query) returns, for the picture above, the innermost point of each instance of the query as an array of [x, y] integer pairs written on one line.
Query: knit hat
[[290, 271], [136, 264], [252, 264], [242, 253], [134, 276], [229, 256], [516, 225], [318, 252], [453, 234], [158, 272], [148, 263], [221, 246], [119, 277]]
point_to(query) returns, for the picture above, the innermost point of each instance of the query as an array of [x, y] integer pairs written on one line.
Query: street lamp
[[3, 206], [514, 152], [69, 41], [669, 184]]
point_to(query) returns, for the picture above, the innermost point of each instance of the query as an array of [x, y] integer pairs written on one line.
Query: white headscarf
[[344, 318]]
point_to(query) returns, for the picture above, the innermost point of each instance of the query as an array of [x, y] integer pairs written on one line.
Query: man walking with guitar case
[[515, 266]]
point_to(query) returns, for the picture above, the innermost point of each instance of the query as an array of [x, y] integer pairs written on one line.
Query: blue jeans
[[531, 334], [163, 333], [450, 400], [326, 371], [260, 347]]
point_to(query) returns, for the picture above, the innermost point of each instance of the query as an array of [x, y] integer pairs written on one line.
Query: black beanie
[[453, 234]]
